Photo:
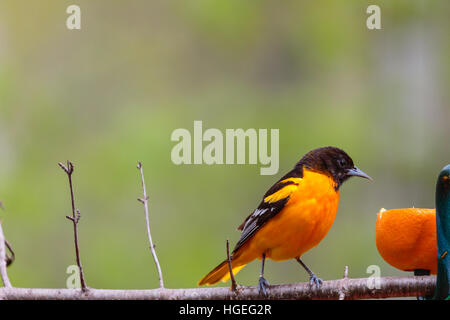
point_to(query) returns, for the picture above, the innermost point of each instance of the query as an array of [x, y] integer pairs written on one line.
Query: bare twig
[[75, 218], [3, 262], [230, 269], [343, 288], [9, 259], [152, 246], [357, 289]]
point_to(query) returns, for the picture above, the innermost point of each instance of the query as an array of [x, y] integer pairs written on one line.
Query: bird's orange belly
[[302, 224]]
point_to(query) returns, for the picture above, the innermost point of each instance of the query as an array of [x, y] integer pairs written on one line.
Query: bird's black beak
[[357, 172]]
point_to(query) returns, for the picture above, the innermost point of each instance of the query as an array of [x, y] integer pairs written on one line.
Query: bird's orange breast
[[406, 238], [303, 222]]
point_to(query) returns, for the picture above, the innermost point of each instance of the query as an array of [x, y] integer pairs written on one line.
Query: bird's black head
[[331, 161]]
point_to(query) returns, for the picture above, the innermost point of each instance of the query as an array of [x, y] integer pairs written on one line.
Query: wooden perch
[[354, 289]]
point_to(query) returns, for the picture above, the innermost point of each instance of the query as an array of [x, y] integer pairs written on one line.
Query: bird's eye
[[341, 162]]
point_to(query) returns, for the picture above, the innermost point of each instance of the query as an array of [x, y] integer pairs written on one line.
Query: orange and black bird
[[294, 216]]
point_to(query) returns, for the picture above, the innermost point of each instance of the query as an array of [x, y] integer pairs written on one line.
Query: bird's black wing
[[273, 202]]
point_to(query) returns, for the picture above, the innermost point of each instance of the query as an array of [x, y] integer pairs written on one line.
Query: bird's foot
[[314, 280], [262, 286]]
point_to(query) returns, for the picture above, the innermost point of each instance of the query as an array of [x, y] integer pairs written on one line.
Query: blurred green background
[[112, 93]]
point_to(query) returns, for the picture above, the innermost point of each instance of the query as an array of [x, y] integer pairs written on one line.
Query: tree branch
[[3, 259], [355, 289], [343, 288], [75, 218], [149, 235], [230, 269], [9, 259]]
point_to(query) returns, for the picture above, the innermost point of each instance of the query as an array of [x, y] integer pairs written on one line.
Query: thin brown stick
[[230, 269], [356, 289], [343, 289], [75, 218], [9, 259], [149, 235], [3, 262]]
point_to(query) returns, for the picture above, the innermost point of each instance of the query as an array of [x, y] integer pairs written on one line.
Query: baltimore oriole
[[294, 215]]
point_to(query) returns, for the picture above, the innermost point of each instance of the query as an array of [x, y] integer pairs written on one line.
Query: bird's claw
[[262, 285], [314, 280]]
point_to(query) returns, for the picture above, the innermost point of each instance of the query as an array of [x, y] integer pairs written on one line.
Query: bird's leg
[[262, 284], [312, 277], [421, 272]]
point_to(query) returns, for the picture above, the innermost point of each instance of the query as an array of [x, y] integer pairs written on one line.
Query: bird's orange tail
[[222, 271]]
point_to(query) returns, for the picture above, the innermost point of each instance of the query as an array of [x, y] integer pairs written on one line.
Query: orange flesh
[[406, 238]]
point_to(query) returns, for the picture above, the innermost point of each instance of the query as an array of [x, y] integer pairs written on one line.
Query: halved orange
[[406, 238]]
